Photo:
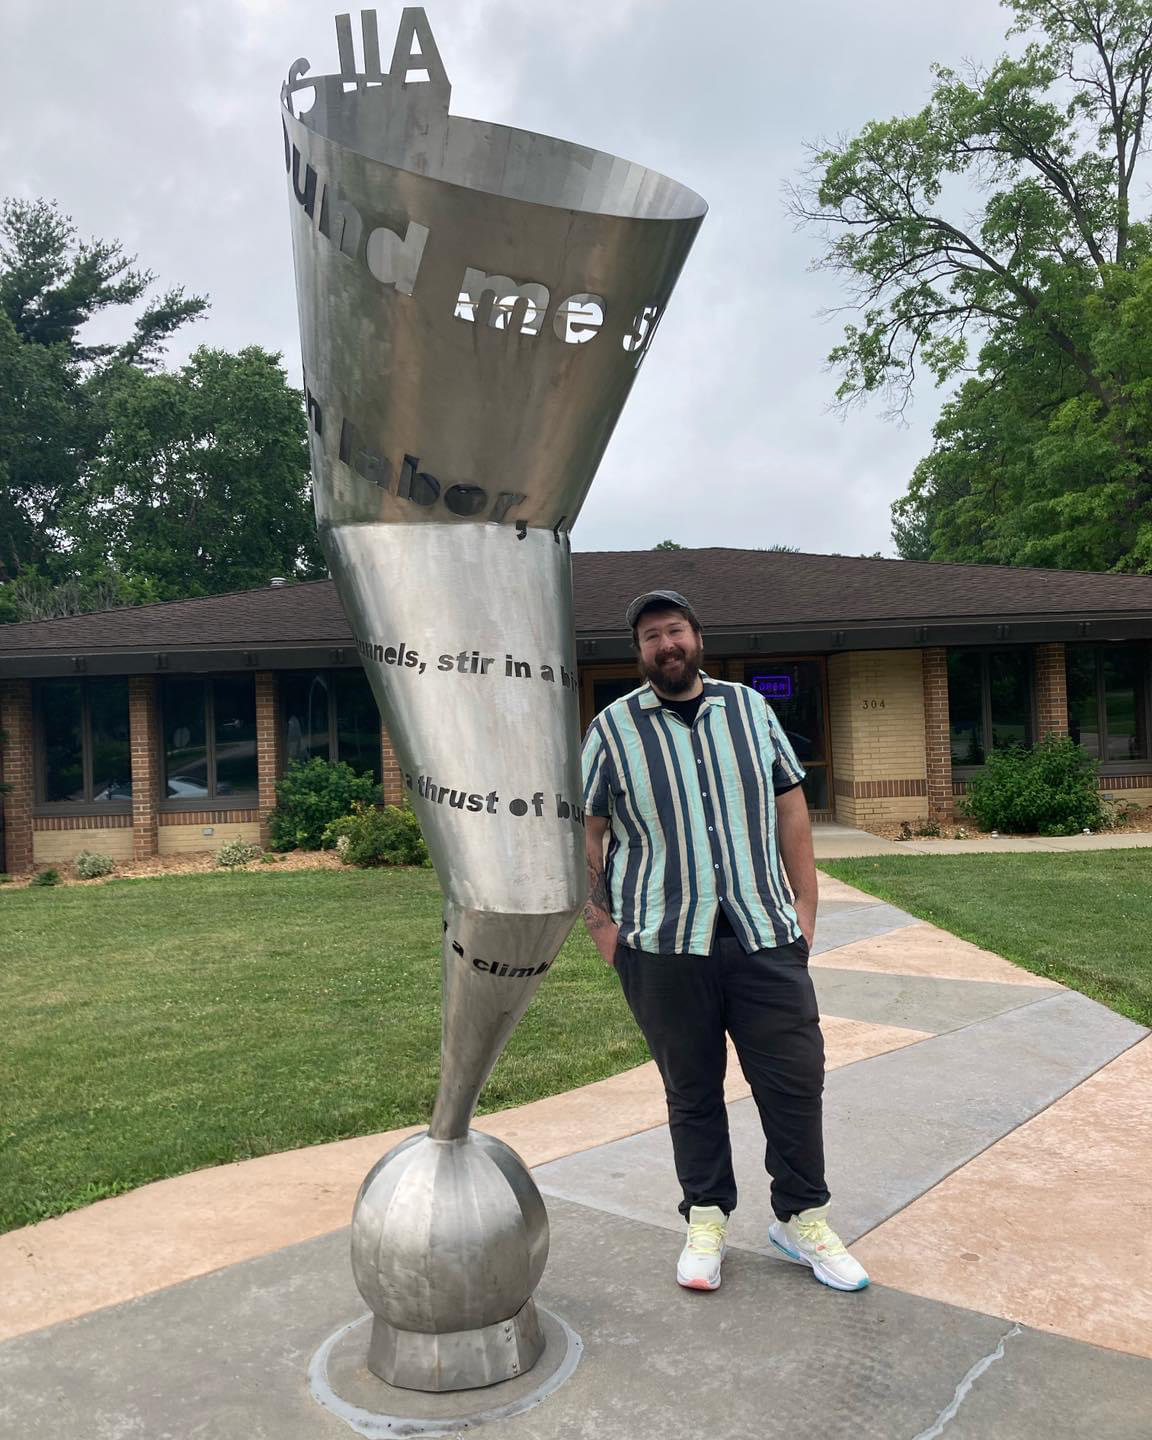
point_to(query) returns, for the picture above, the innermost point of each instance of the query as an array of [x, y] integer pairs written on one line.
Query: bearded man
[[697, 790]]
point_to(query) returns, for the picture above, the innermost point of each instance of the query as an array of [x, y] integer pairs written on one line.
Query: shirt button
[[709, 829], [716, 867]]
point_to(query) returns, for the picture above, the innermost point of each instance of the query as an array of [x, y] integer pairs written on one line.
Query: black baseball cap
[[658, 600]]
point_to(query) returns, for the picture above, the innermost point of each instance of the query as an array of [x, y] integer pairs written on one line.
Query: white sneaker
[[807, 1239], [699, 1265]]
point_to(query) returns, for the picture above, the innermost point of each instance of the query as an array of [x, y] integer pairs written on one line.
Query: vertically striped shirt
[[693, 814]]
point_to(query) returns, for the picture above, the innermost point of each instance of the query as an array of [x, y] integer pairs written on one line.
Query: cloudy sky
[[155, 121]]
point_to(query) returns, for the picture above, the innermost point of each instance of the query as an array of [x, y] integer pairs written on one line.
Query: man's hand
[[794, 836], [597, 912]]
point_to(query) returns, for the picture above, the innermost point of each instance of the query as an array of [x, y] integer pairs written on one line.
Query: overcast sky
[[155, 121]]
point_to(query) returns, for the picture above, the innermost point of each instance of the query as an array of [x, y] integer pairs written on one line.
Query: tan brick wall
[[189, 839], [18, 771], [269, 759], [1051, 691], [143, 720], [876, 726], [60, 847]]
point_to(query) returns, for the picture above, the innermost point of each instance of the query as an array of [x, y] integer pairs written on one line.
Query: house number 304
[[873, 705]]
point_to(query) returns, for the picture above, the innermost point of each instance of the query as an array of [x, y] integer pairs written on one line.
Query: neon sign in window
[[773, 687]]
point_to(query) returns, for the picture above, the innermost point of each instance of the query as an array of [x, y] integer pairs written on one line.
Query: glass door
[[795, 689]]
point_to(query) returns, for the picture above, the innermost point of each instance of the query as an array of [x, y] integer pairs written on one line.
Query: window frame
[[329, 672], [985, 652], [238, 799], [45, 807], [1139, 766]]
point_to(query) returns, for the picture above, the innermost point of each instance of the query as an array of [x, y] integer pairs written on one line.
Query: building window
[[989, 702], [330, 715], [209, 728], [85, 749], [1108, 700], [795, 691]]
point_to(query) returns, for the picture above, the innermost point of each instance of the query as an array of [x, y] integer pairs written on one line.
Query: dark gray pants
[[684, 1005]]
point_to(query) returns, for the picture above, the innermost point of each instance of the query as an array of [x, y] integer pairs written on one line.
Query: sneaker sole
[[804, 1260], [697, 1284]]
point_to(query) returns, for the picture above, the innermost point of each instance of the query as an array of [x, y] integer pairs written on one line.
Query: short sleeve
[[787, 772], [596, 766]]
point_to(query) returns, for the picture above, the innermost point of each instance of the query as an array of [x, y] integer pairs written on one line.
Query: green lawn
[[150, 1027], [1084, 918]]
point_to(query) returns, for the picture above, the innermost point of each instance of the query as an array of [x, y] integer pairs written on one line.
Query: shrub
[[90, 865], [311, 795], [1049, 790], [45, 877], [237, 852], [368, 836]]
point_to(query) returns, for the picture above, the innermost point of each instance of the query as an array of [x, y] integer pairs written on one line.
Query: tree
[[201, 484], [668, 545], [51, 285], [1042, 456], [120, 482]]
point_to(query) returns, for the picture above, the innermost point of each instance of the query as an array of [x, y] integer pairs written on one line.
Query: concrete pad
[[925, 950], [1052, 1225], [834, 928], [224, 1356], [1043, 1369], [849, 843], [894, 1125], [916, 1002]]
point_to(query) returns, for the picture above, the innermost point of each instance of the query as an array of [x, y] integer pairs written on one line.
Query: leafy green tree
[[51, 285], [668, 545], [120, 482], [201, 484], [994, 240]]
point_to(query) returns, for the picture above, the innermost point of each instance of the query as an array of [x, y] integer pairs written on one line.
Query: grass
[[152, 1027], [1083, 918]]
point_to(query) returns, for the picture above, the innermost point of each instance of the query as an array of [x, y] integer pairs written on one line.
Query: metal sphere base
[[460, 1359], [340, 1381]]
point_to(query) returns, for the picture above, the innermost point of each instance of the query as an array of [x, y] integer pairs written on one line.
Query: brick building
[[164, 728]]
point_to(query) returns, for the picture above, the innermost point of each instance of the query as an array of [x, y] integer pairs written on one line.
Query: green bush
[[45, 877], [91, 865], [237, 852], [310, 796], [368, 836], [1049, 790]]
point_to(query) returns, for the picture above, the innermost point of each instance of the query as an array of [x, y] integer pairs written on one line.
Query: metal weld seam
[[949, 1412]]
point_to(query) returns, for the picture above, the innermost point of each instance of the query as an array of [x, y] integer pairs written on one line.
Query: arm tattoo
[[597, 913]]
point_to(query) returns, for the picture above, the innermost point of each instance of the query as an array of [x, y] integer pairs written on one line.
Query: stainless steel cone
[[474, 304]]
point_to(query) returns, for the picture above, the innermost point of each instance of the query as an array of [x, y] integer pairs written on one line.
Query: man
[[698, 791]]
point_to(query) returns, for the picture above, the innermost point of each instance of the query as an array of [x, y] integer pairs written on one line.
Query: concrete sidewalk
[[844, 842], [990, 1153]]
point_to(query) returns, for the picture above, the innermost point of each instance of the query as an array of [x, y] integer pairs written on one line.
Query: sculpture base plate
[[460, 1359], [340, 1381]]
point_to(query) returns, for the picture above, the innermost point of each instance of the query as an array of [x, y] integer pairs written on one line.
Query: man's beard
[[669, 678]]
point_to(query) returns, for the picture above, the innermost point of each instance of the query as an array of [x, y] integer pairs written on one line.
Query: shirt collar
[[649, 700]]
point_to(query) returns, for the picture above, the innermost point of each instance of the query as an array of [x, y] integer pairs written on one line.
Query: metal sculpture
[[474, 303]]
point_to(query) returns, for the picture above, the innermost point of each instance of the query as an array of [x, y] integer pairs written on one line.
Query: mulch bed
[[201, 863], [1139, 819]]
